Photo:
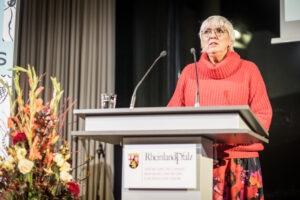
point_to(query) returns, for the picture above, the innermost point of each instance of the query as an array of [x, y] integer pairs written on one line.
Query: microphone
[[197, 92], [133, 97]]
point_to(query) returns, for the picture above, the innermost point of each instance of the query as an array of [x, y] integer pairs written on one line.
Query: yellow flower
[[21, 153], [55, 139], [61, 163], [67, 157], [25, 166], [59, 159], [65, 176], [10, 150], [10, 159], [7, 165], [48, 171], [65, 167]]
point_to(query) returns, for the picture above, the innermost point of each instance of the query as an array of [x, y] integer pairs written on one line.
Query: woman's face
[[215, 40]]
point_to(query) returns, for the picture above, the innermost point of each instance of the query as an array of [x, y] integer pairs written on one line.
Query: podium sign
[[160, 166]]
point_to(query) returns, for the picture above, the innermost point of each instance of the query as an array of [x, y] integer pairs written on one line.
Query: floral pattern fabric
[[238, 179]]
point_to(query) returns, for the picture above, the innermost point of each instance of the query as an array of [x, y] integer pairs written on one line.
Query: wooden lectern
[[183, 125]]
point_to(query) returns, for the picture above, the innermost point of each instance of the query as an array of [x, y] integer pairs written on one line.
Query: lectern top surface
[[244, 111], [161, 110]]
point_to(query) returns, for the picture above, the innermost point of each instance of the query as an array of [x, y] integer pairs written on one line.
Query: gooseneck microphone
[[133, 97], [197, 92]]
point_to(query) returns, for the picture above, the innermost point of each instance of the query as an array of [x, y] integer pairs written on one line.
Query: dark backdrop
[[145, 28]]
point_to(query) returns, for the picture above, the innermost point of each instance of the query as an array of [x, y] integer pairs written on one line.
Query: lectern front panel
[[203, 174]]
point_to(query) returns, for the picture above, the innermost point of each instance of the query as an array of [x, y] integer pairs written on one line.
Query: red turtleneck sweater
[[233, 81]]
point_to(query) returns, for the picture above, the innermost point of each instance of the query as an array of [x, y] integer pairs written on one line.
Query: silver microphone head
[[193, 50], [163, 53]]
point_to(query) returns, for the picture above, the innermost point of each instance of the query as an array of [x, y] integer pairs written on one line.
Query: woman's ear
[[230, 44]]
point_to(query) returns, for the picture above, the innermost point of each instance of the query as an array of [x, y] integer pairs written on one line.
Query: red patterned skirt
[[238, 179]]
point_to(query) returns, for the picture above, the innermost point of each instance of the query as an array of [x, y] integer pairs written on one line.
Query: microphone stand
[[133, 97], [101, 152], [197, 92]]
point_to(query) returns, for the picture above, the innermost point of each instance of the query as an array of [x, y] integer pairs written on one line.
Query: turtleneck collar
[[225, 68]]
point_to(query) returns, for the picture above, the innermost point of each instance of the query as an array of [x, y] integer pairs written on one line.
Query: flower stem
[[30, 185]]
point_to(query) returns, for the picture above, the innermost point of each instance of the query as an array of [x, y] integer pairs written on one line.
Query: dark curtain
[[142, 33]]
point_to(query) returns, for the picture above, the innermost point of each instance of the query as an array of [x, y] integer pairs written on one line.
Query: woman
[[226, 79]]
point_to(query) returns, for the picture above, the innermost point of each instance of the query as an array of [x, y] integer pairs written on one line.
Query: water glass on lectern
[[108, 101]]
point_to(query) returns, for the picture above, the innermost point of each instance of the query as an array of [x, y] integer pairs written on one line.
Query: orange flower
[[13, 133], [27, 109], [33, 125], [10, 122], [36, 140], [32, 122], [48, 159], [38, 105], [39, 90], [30, 82], [49, 143], [26, 130], [35, 153], [46, 144]]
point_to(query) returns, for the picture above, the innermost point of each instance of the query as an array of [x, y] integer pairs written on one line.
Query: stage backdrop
[[7, 32]]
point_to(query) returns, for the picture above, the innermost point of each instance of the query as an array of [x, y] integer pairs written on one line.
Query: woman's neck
[[216, 58]]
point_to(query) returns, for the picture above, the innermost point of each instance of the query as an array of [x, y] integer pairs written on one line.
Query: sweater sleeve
[[258, 100], [177, 99]]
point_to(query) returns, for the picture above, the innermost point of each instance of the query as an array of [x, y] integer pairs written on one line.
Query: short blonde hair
[[217, 20]]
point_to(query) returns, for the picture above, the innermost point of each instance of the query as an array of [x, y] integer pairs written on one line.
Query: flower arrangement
[[36, 167]]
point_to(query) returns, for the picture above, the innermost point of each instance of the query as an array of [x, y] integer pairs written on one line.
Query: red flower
[[19, 138], [74, 188]]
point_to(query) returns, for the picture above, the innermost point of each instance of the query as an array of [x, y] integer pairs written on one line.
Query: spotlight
[[237, 34], [242, 38]]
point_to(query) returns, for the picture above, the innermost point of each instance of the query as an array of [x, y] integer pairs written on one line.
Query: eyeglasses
[[218, 31]]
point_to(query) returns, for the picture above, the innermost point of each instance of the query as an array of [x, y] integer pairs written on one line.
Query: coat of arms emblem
[[133, 160]]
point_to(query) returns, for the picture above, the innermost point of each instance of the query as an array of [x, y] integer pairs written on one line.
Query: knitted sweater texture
[[233, 81]]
